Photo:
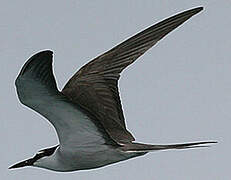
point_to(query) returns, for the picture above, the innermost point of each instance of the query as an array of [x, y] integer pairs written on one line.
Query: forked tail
[[138, 147]]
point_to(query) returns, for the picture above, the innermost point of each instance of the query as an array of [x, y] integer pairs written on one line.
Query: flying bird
[[87, 114]]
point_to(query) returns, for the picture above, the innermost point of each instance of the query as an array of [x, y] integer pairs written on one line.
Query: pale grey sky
[[179, 91]]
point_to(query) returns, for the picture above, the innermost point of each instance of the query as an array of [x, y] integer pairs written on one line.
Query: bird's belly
[[93, 157]]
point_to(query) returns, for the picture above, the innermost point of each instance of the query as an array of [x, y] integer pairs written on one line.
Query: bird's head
[[34, 160]]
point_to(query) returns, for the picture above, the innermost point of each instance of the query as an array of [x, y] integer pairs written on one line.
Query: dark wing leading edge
[[95, 85]]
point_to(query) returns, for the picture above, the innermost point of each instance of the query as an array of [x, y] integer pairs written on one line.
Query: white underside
[[74, 128], [83, 158]]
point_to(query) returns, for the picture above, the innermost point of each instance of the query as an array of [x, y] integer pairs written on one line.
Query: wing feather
[[95, 86], [37, 89]]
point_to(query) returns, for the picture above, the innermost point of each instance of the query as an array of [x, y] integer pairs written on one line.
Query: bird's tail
[[138, 147]]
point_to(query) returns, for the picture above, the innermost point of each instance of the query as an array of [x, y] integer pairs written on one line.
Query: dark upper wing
[[94, 86]]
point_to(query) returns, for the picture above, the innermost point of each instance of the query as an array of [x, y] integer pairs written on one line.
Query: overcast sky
[[179, 91]]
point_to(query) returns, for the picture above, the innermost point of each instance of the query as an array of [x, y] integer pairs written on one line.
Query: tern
[[87, 114]]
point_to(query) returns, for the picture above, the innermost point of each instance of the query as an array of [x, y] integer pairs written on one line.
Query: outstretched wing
[[36, 88], [95, 85]]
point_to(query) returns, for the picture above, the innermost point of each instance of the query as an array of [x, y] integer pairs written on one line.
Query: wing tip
[[46, 51], [197, 9], [191, 12], [46, 54]]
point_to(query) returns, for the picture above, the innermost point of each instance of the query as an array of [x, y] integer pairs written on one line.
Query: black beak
[[28, 162]]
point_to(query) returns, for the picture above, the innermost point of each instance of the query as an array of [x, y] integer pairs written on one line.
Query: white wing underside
[[74, 128]]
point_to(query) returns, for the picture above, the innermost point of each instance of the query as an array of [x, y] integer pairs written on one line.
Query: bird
[[87, 113]]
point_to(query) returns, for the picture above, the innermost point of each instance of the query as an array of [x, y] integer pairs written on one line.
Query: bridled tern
[[87, 114]]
